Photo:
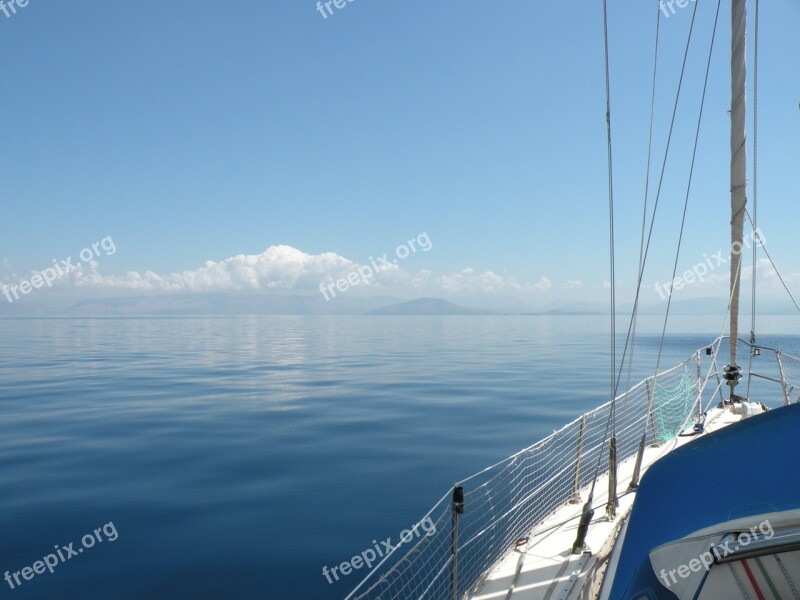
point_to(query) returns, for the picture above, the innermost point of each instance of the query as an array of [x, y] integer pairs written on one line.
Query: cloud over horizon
[[285, 268]]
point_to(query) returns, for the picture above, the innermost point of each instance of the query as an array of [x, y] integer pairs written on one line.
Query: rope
[[787, 577]]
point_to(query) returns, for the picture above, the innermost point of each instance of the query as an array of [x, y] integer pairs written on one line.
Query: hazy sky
[[208, 131]]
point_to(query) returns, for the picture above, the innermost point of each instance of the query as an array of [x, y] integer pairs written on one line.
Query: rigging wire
[[610, 210], [612, 480], [688, 188], [755, 201], [772, 262], [658, 193], [588, 511], [646, 193], [650, 232], [634, 482]]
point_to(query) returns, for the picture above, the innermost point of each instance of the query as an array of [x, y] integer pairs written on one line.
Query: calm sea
[[235, 457]]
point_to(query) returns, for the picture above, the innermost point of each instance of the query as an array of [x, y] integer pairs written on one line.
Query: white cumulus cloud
[[283, 268]]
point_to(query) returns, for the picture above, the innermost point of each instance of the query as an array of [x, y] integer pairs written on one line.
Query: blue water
[[236, 457]]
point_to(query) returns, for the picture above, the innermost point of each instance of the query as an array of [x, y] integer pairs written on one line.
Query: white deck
[[545, 569]]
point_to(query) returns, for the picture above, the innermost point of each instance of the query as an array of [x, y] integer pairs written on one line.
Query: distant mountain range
[[265, 303], [427, 306]]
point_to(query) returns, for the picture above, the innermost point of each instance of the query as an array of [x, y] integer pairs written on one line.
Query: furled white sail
[[738, 160]]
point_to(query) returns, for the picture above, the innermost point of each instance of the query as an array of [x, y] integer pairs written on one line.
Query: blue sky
[[202, 131]]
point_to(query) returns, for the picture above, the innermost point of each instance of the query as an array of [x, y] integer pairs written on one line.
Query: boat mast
[[738, 173]]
